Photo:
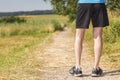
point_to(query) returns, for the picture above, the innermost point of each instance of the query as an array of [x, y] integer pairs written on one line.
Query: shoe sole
[[78, 75], [95, 75]]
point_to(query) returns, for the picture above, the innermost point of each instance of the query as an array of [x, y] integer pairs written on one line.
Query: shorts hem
[[78, 27], [100, 26], [82, 27]]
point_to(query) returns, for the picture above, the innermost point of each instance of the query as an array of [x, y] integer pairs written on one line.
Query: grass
[[111, 40], [16, 38]]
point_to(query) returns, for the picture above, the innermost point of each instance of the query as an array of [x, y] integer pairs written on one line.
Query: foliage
[[57, 25], [112, 33], [114, 6], [65, 7], [68, 7]]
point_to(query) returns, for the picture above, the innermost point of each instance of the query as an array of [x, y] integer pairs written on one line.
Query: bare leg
[[97, 34], [78, 46]]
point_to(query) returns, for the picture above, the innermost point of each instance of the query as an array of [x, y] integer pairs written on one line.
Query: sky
[[23, 5]]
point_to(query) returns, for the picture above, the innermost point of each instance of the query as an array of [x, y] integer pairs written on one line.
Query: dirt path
[[57, 58], [61, 59]]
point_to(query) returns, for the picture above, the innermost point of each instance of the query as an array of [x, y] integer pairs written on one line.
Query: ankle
[[78, 67], [96, 67]]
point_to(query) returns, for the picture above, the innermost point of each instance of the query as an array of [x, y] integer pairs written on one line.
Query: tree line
[[36, 12]]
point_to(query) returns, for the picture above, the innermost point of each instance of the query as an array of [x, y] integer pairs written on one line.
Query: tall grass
[[16, 37], [57, 25]]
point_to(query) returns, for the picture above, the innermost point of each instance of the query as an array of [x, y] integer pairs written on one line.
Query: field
[[19, 34], [29, 45]]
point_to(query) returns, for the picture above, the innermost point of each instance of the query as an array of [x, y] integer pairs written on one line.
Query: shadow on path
[[112, 73], [106, 73]]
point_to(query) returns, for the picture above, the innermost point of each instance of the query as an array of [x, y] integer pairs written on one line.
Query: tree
[[68, 7], [65, 7]]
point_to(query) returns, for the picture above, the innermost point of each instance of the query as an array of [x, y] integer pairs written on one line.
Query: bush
[[115, 28], [12, 19], [57, 25], [108, 36], [113, 32]]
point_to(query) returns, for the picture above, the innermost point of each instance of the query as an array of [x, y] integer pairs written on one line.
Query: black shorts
[[96, 13]]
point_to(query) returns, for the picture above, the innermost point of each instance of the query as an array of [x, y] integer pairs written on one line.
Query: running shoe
[[97, 72], [75, 71]]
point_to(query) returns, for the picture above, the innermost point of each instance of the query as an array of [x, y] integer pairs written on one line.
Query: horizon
[[23, 11]]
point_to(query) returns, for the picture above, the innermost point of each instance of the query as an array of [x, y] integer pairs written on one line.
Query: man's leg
[[78, 46], [97, 34]]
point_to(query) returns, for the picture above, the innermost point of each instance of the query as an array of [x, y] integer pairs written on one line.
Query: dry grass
[[16, 39]]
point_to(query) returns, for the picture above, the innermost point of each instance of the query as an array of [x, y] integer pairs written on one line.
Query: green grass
[[16, 38]]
